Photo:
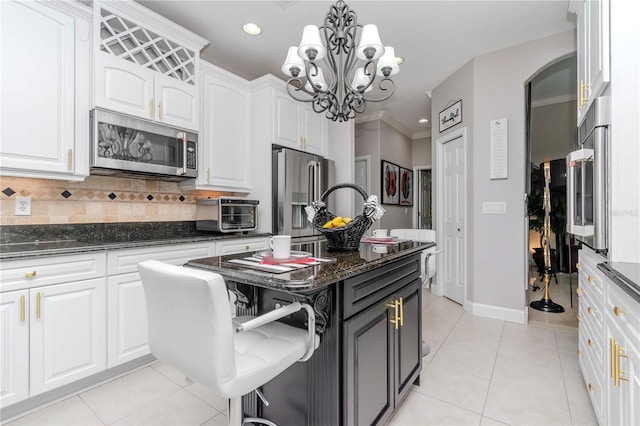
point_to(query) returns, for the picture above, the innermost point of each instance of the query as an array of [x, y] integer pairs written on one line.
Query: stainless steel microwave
[[122, 145], [587, 210]]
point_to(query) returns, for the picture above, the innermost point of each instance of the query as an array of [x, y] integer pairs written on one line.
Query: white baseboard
[[518, 316]]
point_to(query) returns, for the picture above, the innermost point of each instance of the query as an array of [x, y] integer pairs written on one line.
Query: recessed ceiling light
[[399, 60], [251, 28], [423, 120]]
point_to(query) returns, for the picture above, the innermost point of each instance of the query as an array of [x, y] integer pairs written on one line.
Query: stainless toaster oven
[[227, 214]]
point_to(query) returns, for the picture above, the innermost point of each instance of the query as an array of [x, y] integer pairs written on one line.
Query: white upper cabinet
[[145, 65], [593, 51], [45, 57], [225, 132], [293, 124]]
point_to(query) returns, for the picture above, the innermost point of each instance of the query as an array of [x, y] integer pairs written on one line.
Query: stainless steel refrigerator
[[298, 179]]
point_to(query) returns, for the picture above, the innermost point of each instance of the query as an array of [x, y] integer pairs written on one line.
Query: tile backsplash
[[98, 199]]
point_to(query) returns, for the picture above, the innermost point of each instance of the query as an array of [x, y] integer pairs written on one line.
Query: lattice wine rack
[[127, 40]]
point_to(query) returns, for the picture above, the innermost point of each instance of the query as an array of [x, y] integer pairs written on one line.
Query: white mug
[[379, 248], [281, 246], [379, 232]]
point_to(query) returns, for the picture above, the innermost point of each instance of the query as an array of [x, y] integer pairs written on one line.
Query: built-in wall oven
[[587, 210], [128, 146]]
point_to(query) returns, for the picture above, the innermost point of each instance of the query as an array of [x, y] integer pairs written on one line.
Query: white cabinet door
[[176, 102], [127, 336], [598, 64], [14, 347], [67, 333], [315, 131], [225, 135], [287, 129], [37, 85], [124, 87]]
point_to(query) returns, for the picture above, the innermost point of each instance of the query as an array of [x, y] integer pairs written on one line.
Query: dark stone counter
[[313, 278], [24, 241]]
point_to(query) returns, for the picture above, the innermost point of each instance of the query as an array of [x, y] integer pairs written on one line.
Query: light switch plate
[[23, 206], [494, 207]]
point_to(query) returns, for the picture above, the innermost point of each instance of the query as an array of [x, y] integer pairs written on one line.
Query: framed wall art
[[389, 175], [450, 116], [405, 189]]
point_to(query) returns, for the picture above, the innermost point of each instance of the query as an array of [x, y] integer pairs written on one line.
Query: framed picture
[[389, 174], [450, 116], [405, 189]]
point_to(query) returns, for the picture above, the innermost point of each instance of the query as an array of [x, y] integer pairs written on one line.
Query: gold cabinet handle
[[617, 352], [70, 159], [612, 357], [578, 352], [401, 312], [22, 308], [395, 319], [578, 291], [590, 279], [208, 175], [151, 108], [592, 388], [584, 87], [591, 343], [578, 265], [246, 247], [160, 110], [30, 274], [591, 310], [578, 317], [38, 303], [618, 311]]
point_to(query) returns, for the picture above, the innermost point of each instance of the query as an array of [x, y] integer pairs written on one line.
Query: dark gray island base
[[368, 308]]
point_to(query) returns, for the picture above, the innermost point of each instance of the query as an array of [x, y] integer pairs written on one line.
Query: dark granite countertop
[[625, 275], [20, 242], [313, 278]]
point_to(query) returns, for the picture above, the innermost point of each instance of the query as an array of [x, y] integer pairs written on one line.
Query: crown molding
[[553, 100]]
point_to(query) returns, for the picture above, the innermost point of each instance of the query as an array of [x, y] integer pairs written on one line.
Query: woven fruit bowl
[[347, 236]]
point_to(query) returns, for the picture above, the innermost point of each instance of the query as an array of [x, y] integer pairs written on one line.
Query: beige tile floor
[[480, 372]]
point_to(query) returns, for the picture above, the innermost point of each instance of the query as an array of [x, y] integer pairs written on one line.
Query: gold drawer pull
[[591, 310], [591, 279], [246, 247], [578, 291], [592, 388], [30, 274], [619, 311], [591, 343], [578, 317], [578, 265]]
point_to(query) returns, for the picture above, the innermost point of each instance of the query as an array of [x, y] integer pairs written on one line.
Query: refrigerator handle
[[318, 181], [311, 182]]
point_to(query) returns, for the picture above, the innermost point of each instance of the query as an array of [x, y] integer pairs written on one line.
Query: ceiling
[[435, 38]]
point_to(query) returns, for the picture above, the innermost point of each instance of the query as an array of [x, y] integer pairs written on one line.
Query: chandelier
[[352, 68]]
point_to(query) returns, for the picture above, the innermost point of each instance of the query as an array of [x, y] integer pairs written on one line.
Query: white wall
[[341, 148], [496, 273]]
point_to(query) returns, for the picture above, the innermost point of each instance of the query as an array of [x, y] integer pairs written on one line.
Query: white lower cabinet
[[67, 333], [14, 347], [127, 308], [609, 348]]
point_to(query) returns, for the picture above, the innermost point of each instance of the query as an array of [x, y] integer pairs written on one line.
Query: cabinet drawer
[[47, 270], [592, 380], [588, 269], [241, 245], [591, 310], [126, 261], [592, 342], [624, 311], [363, 290]]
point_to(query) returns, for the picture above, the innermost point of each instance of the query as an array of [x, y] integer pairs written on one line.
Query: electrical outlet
[[23, 206]]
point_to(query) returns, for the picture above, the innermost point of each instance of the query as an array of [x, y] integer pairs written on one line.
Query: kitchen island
[[368, 312]]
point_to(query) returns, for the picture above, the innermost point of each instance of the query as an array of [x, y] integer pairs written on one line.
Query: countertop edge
[[625, 283], [88, 247]]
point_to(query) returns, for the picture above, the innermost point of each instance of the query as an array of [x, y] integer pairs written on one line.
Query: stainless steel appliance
[[587, 178], [126, 146], [227, 214], [299, 178]]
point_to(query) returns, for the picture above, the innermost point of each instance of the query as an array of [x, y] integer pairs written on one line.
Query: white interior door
[[453, 216]]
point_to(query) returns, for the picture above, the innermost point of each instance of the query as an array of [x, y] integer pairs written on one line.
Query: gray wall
[[553, 131], [421, 152], [492, 86]]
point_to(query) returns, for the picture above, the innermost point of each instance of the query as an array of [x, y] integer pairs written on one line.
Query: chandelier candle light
[[352, 70]]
